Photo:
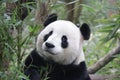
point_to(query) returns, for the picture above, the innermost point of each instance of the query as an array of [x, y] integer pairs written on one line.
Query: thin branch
[[42, 11], [70, 8], [104, 61], [104, 77], [77, 11]]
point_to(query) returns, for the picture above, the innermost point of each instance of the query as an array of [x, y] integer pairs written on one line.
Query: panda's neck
[[80, 58]]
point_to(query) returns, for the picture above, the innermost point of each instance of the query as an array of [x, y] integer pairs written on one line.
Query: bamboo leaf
[[89, 8]]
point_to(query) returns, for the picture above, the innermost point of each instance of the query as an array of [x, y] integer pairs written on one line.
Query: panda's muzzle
[[49, 45]]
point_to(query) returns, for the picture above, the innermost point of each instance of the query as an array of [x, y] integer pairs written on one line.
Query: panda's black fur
[[34, 62]]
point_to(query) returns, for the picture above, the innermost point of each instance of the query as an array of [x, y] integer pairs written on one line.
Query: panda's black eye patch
[[47, 35], [64, 43], [64, 38]]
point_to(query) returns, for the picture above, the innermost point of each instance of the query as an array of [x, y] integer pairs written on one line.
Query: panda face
[[61, 41], [48, 46]]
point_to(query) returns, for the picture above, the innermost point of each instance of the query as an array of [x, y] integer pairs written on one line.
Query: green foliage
[[13, 48], [111, 27], [10, 1], [105, 32], [13, 45], [6, 41]]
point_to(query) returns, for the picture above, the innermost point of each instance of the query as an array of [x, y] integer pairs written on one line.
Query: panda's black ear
[[51, 18], [85, 30]]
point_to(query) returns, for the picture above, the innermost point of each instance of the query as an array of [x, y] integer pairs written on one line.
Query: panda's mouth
[[49, 51], [49, 48]]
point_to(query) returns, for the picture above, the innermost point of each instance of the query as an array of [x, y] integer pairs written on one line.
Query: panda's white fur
[[74, 51]]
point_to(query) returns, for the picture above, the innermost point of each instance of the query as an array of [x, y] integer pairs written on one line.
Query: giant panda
[[58, 54]]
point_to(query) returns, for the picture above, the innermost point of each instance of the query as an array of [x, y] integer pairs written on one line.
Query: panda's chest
[[60, 72], [52, 72]]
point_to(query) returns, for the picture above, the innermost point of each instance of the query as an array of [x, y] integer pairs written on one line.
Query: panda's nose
[[49, 45]]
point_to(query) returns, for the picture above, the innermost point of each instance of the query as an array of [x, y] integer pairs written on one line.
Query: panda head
[[61, 41]]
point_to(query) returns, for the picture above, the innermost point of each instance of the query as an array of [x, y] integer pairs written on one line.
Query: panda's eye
[[64, 43], [47, 35], [64, 38], [50, 33]]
